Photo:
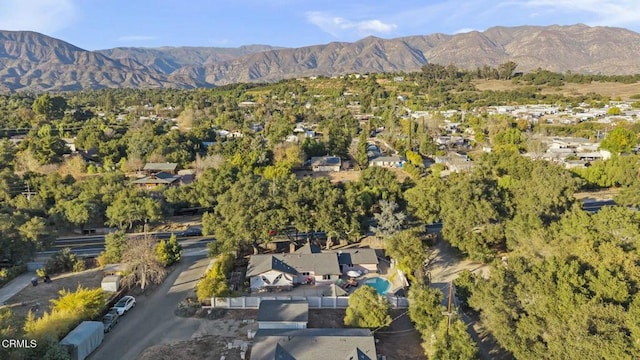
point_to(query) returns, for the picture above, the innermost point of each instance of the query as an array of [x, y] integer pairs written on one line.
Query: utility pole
[[28, 192], [449, 314]]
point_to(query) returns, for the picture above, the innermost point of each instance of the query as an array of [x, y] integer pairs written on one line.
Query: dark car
[[191, 231], [110, 320]]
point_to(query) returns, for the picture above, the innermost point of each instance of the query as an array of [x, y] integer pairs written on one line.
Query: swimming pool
[[381, 285]]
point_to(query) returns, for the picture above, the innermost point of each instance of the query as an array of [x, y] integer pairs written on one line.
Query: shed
[[111, 283], [82, 340]]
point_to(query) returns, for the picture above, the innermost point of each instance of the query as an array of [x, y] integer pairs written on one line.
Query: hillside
[[31, 61]]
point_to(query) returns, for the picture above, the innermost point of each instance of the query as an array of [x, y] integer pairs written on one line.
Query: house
[[362, 259], [326, 163], [154, 168], [394, 161], [309, 264], [313, 344], [283, 314], [282, 271], [158, 179]]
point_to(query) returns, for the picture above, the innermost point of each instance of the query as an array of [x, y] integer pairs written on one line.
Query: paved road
[[153, 321]]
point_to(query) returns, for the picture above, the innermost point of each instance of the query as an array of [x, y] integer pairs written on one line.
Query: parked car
[[123, 305], [110, 319]]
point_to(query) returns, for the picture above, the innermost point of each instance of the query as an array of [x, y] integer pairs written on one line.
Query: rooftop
[[160, 166], [312, 344], [283, 310]]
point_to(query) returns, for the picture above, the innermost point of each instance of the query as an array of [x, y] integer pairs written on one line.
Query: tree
[[619, 140], [8, 153], [388, 220], [169, 252], [115, 244], [425, 308], [453, 342], [143, 265], [49, 107], [362, 158], [506, 70], [382, 182], [424, 200], [407, 248], [214, 283], [131, 207], [473, 214], [367, 309]]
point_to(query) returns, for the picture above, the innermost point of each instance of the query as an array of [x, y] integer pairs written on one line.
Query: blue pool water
[[381, 285]]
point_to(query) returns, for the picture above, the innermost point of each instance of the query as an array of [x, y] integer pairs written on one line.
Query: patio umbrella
[[354, 273]]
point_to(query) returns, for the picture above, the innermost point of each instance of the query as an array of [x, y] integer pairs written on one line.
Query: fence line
[[315, 302]]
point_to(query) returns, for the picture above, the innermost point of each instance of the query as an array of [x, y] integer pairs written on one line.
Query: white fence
[[315, 302]]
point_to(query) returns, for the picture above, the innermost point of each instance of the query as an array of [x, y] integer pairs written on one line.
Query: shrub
[[169, 252], [214, 282], [63, 261], [41, 272], [67, 312], [11, 273]]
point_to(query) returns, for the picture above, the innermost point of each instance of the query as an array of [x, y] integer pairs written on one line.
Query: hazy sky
[[100, 24]]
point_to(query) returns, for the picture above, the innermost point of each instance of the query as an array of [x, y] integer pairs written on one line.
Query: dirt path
[[444, 265]]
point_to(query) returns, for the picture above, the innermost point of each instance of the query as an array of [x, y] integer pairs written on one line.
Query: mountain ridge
[[37, 62]]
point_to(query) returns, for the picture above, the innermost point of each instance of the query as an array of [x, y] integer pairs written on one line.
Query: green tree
[[425, 308], [132, 206], [473, 214], [367, 309], [115, 243], [424, 200], [214, 282], [453, 342], [362, 158], [408, 249], [169, 252], [619, 140], [49, 107]]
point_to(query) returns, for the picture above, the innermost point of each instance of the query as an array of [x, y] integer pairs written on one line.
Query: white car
[[123, 305]]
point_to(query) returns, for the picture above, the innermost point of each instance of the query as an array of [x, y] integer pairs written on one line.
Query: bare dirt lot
[[610, 89], [29, 297], [216, 331]]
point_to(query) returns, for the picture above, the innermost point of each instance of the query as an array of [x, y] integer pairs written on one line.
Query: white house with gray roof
[[307, 265]]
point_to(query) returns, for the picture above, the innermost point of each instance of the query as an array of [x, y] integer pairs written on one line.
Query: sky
[[103, 24]]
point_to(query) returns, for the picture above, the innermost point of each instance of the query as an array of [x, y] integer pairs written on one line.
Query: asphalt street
[[153, 321]]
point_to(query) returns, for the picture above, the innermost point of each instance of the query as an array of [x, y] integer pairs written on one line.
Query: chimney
[[292, 248]]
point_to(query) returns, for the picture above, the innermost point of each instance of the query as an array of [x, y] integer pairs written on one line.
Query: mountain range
[[35, 62]]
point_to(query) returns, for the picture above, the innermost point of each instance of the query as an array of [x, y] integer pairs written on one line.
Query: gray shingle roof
[[259, 264], [159, 178], [319, 264], [357, 256], [325, 161], [313, 344], [283, 310], [160, 166]]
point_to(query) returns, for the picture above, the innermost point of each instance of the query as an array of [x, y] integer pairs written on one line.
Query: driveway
[[153, 321]]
